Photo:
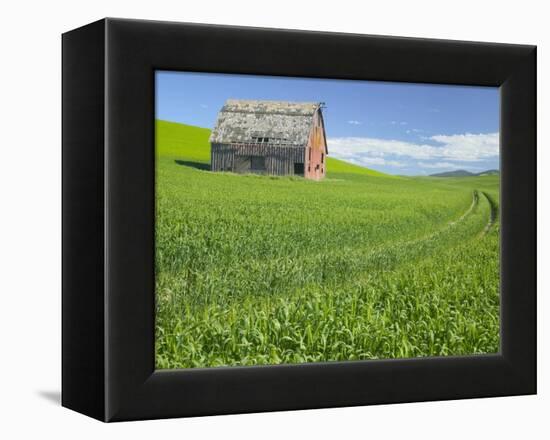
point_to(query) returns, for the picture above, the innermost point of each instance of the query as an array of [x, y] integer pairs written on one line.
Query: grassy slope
[[257, 270], [178, 139]]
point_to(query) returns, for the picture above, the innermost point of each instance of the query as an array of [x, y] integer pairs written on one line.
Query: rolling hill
[[192, 142], [255, 270], [464, 173]]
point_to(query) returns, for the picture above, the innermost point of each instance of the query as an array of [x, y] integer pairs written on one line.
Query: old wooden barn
[[270, 137]]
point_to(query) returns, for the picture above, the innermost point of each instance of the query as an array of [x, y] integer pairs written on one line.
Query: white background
[[30, 216]]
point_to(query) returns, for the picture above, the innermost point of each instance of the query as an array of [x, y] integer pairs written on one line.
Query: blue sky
[[398, 128]]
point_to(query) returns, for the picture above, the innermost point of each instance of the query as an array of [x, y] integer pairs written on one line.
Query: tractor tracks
[[476, 199], [493, 215], [389, 256]]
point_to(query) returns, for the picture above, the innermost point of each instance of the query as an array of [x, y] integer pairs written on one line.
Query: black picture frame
[[108, 219]]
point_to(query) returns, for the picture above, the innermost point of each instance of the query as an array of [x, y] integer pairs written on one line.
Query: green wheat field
[[255, 270]]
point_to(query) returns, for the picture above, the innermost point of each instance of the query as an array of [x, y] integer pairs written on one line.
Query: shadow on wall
[[197, 165]]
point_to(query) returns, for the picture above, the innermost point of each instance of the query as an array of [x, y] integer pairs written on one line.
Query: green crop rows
[[257, 270]]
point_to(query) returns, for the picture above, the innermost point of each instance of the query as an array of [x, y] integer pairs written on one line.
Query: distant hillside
[[464, 173], [455, 173], [489, 173]]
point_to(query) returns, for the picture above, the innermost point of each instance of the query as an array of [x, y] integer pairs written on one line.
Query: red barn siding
[[316, 151]]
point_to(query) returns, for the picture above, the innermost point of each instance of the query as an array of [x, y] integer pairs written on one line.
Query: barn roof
[[247, 121]]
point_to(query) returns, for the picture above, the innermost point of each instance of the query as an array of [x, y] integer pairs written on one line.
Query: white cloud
[[395, 163], [438, 165], [204, 106], [354, 122], [447, 166], [460, 147], [368, 161], [469, 147]]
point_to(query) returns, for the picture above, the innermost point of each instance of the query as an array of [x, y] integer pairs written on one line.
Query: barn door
[[241, 164], [298, 169], [257, 164]]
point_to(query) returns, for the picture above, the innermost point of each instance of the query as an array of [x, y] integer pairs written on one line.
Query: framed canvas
[[262, 220]]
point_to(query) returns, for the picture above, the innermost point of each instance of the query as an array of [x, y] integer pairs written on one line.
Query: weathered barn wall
[[221, 157], [279, 160]]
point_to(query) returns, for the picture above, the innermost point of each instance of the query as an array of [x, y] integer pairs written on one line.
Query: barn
[[270, 137]]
